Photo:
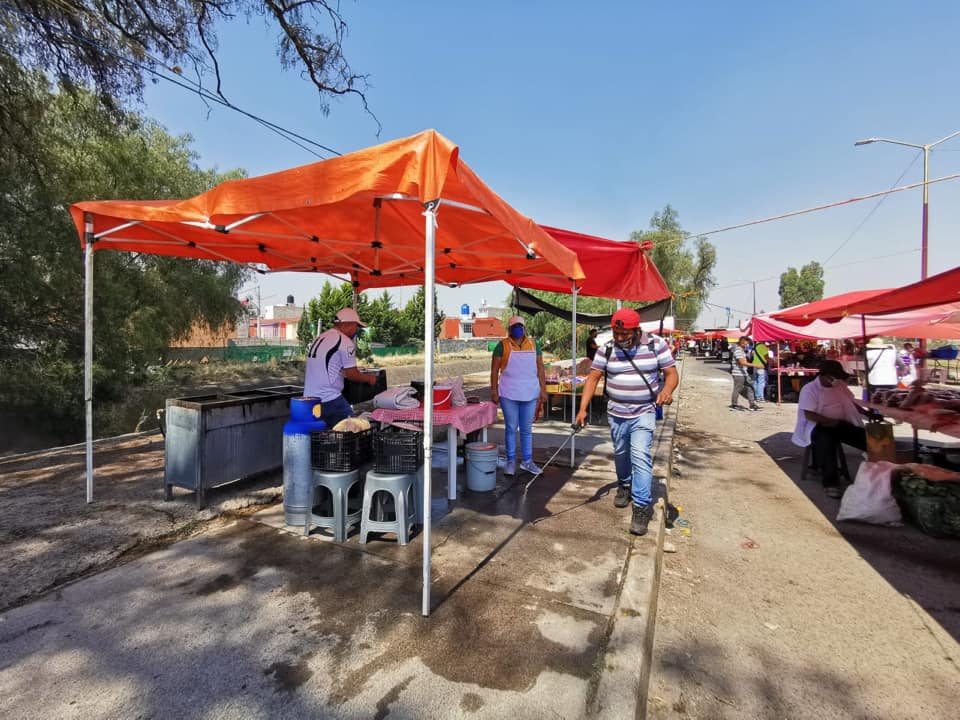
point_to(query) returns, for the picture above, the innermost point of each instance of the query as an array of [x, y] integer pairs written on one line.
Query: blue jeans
[[760, 383], [632, 443], [518, 415], [333, 411]]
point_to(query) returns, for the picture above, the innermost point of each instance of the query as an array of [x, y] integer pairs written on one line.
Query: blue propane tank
[[297, 474], [304, 409]]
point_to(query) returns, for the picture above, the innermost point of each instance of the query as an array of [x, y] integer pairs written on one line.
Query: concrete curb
[[627, 660]]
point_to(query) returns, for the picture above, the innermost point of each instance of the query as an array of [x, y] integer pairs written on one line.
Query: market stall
[[371, 216], [801, 324], [938, 296]]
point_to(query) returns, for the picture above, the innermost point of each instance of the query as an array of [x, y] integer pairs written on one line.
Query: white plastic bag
[[458, 399], [869, 499]]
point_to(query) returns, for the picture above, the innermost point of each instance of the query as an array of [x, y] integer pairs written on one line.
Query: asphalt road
[[769, 609]]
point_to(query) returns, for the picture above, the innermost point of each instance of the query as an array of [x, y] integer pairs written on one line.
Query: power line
[[827, 206], [195, 87], [872, 211], [825, 267]]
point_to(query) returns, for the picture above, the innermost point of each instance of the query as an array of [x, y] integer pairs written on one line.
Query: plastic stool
[[807, 462], [402, 488], [339, 484]]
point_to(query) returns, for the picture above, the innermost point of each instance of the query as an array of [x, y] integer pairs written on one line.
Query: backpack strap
[[651, 345]]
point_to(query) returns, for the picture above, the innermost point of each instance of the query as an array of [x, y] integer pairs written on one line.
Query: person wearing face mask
[[518, 382], [828, 416], [632, 365], [330, 359]]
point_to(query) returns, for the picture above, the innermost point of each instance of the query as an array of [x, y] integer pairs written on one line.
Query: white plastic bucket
[[481, 466]]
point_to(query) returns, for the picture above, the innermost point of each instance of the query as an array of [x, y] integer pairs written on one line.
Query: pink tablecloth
[[466, 419]]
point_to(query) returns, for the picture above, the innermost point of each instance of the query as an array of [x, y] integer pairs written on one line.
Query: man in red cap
[[330, 359], [632, 365]]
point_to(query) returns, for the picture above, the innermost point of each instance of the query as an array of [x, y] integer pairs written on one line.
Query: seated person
[[828, 416]]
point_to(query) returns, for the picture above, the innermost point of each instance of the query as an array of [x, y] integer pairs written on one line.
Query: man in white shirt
[[828, 416], [881, 364], [330, 359]]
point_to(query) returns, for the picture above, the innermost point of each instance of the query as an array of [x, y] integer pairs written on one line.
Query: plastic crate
[[398, 451], [335, 451]]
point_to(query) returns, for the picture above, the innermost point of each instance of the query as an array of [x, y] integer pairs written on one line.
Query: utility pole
[[259, 313], [754, 297]]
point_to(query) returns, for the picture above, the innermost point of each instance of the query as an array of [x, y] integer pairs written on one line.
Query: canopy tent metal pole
[[866, 362], [88, 343], [573, 372], [430, 215]]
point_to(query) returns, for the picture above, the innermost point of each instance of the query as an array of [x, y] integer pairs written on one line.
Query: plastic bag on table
[[870, 499], [458, 398]]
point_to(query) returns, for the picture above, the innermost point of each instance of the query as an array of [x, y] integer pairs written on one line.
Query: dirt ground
[[51, 536], [771, 609]]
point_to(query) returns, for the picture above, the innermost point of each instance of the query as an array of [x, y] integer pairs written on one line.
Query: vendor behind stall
[[330, 359], [828, 417]]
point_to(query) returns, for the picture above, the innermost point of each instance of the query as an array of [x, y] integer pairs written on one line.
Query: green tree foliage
[[413, 313], [57, 149], [323, 309], [111, 46], [797, 288], [386, 325], [688, 272]]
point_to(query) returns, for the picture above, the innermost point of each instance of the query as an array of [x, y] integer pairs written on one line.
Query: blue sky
[[593, 116]]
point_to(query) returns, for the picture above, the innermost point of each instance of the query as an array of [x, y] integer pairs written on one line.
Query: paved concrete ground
[[542, 608], [769, 608]]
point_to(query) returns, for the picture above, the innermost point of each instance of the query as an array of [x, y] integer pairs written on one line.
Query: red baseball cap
[[625, 318]]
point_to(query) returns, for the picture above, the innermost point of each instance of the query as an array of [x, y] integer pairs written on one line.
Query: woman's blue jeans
[[632, 444], [518, 415]]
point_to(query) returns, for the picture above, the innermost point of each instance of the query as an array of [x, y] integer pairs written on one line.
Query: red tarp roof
[[619, 270], [937, 290], [764, 327], [827, 307], [359, 215]]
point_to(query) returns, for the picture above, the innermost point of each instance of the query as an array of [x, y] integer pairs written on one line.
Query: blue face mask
[[516, 332]]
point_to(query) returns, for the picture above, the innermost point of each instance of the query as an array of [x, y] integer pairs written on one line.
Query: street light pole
[[924, 227], [925, 221]]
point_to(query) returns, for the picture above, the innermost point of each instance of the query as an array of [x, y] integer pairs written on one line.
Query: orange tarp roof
[[360, 214]]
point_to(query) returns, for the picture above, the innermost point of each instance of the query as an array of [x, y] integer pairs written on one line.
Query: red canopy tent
[[764, 327], [824, 308], [620, 270], [937, 290]]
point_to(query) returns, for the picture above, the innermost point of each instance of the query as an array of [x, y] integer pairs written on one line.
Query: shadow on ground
[[919, 566]]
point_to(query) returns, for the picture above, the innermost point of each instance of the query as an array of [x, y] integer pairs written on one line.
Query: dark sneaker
[[754, 407], [641, 518], [737, 407], [833, 491], [623, 496]]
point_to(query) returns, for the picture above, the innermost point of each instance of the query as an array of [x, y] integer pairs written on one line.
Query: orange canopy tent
[[404, 212], [358, 215]]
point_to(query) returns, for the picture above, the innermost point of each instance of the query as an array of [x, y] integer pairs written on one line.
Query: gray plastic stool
[[402, 488], [339, 484]]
